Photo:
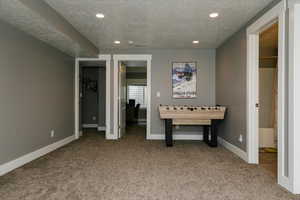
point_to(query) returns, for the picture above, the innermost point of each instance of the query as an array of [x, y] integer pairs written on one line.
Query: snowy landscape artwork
[[184, 80]]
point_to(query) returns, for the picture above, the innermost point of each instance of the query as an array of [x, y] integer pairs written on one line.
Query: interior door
[[122, 99]]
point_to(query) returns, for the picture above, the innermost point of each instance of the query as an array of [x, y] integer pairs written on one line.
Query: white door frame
[[107, 59], [294, 94], [276, 14], [132, 57]]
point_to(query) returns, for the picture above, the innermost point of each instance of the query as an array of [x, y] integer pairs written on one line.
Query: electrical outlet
[[241, 138], [94, 118], [52, 133]]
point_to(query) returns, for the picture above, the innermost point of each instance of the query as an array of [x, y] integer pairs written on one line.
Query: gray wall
[[36, 86], [231, 63], [161, 81], [231, 87]]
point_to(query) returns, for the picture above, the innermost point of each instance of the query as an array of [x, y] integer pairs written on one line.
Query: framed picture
[[184, 80]]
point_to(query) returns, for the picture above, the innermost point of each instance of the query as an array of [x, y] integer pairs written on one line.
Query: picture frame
[[184, 80]]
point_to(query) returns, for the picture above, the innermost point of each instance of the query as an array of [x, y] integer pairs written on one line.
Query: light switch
[[158, 94]]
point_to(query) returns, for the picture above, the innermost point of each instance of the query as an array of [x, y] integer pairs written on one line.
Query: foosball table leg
[[214, 134], [169, 132]]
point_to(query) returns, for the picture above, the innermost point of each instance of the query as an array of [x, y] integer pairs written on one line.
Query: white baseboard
[[101, 128], [89, 125], [176, 137], [285, 183], [9, 166], [110, 137], [242, 154], [239, 152], [295, 191]]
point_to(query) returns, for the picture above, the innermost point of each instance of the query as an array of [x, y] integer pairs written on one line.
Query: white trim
[[107, 59], [14, 164], [252, 98], [76, 100], [285, 183], [253, 31], [234, 149], [176, 137], [89, 125], [132, 57], [101, 128], [281, 101], [294, 95], [277, 13], [239, 152]]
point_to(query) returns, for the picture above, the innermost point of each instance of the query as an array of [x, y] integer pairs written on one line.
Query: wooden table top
[[191, 112]]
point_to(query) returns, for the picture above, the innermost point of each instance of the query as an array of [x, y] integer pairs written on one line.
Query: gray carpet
[[132, 168]]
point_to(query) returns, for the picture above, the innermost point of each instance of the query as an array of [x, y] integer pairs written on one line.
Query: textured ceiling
[[149, 23], [19, 14], [15, 13], [158, 23]]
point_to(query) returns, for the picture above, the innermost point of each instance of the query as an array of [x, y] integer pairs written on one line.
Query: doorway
[[92, 95], [274, 16], [133, 98], [268, 91], [132, 93]]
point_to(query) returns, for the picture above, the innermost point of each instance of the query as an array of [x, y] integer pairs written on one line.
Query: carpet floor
[[132, 168]]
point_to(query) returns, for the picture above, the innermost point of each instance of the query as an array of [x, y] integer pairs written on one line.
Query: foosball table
[[205, 116]]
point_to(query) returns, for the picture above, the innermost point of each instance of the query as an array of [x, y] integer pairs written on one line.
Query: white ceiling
[[158, 23], [149, 23], [15, 13]]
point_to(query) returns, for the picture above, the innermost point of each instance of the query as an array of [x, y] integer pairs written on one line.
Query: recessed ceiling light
[[214, 15], [117, 42], [196, 42], [130, 42], [100, 15]]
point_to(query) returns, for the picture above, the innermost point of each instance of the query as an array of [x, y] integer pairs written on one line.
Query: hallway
[[133, 168]]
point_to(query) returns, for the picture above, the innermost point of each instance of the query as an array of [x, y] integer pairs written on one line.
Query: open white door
[[117, 97], [122, 99], [276, 14]]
